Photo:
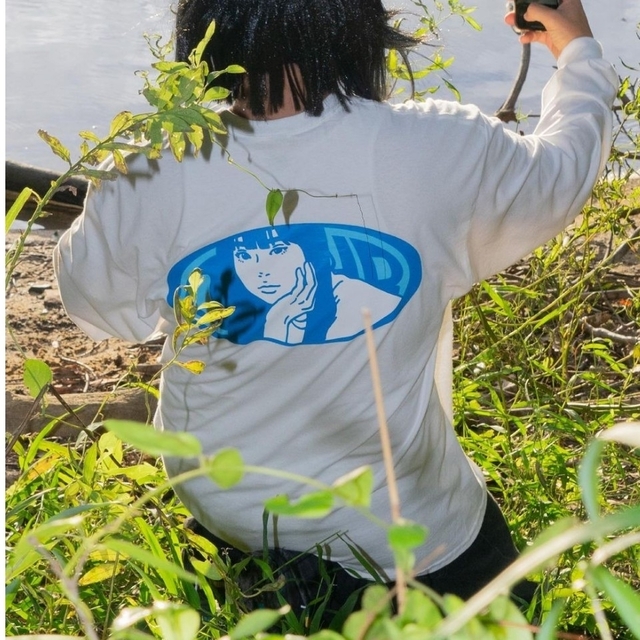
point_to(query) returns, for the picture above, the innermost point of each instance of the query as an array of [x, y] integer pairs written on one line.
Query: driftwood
[[66, 203], [29, 415]]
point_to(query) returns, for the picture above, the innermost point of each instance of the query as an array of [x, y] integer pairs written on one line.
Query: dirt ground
[[38, 327]]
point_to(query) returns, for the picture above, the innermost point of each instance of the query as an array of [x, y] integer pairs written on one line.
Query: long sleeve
[[110, 263], [544, 179]]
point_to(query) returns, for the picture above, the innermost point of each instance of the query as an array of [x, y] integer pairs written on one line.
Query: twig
[[507, 112], [387, 454], [25, 422], [599, 332], [70, 588]]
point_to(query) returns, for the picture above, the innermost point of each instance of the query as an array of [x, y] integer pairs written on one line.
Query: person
[[437, 187]]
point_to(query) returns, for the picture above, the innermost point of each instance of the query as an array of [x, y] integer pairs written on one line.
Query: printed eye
[[278, 249], [242, 256]]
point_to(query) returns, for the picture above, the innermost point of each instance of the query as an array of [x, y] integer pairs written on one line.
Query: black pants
[[310, 582]]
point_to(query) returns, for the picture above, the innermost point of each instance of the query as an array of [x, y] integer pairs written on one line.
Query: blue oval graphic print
[[303, 283]]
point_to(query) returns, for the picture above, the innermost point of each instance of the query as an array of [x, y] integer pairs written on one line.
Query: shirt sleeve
[[110, 264], [531, 187]]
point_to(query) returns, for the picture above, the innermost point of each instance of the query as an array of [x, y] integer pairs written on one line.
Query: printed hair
[[337, 46]]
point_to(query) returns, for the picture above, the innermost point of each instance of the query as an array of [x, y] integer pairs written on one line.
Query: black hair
[[338, 46]]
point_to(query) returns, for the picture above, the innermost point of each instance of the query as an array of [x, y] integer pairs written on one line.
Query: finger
[[311, 283], [539, 13], [510, 17], [299, 286]]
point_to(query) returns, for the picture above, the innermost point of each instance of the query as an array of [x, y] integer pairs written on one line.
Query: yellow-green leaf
[[273, 204], [100, 573], [193, 366], [355, 487], [226, 468], [17, 207], [255, 622], [312, 505], [120, 124], [154, 442], [215, 316], [56, 146], [37, 375], [144, 556]]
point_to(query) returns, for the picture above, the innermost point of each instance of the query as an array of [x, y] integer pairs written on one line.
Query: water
[[72, 67]]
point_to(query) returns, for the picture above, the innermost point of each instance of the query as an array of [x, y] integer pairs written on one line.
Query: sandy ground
[[38, 327]]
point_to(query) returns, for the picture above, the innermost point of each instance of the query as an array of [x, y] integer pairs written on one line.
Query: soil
[[38, 327]]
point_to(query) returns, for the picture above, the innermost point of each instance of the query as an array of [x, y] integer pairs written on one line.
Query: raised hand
[[562, 25]]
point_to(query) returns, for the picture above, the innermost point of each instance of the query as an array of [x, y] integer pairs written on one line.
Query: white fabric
[[468, 194]]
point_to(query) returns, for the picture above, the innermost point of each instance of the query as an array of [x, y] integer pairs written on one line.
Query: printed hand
[[286, 321], [563, 24]]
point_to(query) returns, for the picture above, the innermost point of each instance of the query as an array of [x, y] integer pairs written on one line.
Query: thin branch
[[387, 454]]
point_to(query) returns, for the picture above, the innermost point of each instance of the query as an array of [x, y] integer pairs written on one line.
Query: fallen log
[[66, 203], [28, 415]]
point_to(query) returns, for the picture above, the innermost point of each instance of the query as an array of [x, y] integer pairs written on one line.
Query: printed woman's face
[[269, 273]]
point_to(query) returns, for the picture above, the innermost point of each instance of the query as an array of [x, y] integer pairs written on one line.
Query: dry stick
[[507, 112], [387, 455], [599, 332]]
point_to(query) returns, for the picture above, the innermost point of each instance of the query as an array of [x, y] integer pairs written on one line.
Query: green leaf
[[622, 595], [355, 487], [178, 145], [406, 535], [155, 443], [420, 610], [120, 124], [98, 174], [17, 206], [90, 136], [207, 569], [215, 316], [25, 555], [256, 621], [507, 614], [548, 628], [273, 204], [196, 55], [500, 302], [37, 375], [100, 573], [145, 557], [195, 280], [141, 473], [311, 505], [234, 68], [588, 478], [169, 67], [56, 146], [215, 94], [226, 468], [119, 162], [176, 621]]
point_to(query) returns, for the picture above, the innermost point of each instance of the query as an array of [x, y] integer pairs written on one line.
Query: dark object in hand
[[521, 9]]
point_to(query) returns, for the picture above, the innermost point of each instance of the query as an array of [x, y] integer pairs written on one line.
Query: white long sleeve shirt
[[399, 209]]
